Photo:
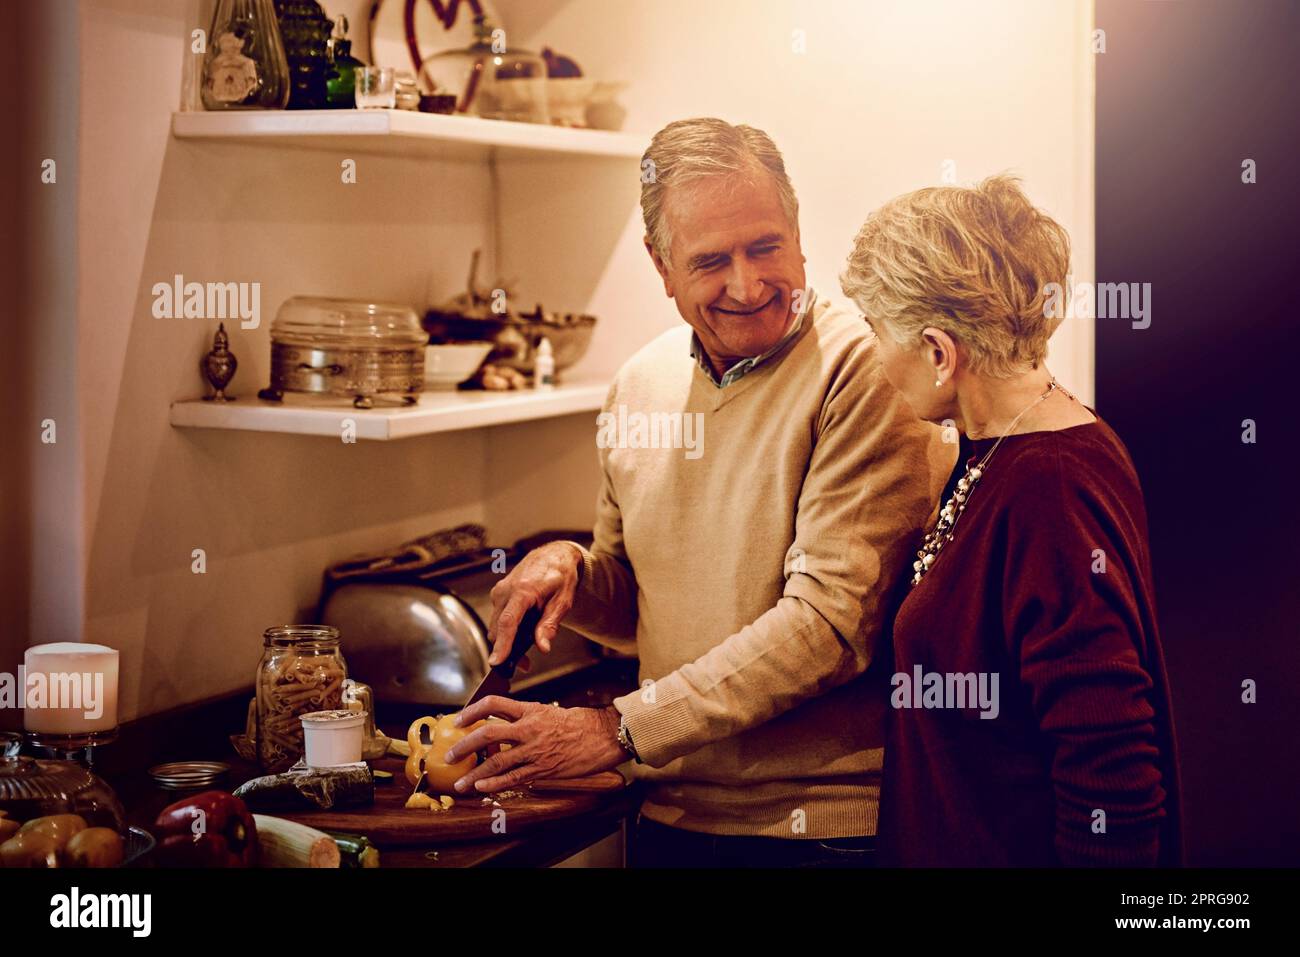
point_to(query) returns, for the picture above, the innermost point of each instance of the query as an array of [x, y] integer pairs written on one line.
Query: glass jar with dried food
[[301, 671]]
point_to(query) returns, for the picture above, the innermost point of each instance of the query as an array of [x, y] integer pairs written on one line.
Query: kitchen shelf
[[435, 412], [404, 132]]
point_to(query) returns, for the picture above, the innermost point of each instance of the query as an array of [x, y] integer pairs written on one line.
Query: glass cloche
[[34, 787], [490, 80]]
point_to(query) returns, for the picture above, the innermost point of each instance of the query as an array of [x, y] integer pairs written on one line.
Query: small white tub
[[333, 738]]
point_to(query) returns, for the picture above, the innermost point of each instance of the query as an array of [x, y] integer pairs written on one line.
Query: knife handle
[[523, 643]]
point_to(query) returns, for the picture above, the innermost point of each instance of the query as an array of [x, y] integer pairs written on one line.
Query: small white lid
[[332, 720]]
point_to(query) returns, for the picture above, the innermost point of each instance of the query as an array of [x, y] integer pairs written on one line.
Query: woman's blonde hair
[[975, 263]]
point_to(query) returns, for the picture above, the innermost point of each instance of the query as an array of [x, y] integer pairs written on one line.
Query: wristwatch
[[625, 740]]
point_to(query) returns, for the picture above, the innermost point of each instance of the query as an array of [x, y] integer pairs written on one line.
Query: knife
[[497, 680]]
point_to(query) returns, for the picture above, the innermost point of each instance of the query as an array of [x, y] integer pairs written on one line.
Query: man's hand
[[546, 742], [546, 578]]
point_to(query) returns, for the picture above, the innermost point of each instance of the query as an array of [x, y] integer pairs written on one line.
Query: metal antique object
[[219, 366], [481, 314], [346, 348]]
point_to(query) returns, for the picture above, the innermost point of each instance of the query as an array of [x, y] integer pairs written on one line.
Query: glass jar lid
[[349, 323]]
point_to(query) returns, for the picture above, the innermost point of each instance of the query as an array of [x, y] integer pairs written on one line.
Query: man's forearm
[[604, 606], [789, 654]]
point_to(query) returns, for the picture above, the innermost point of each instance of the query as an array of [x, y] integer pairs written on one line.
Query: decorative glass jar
[[490, 80], [302, 670], [305, 32], [245, 66]]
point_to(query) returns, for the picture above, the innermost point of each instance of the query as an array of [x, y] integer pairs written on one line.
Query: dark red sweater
[[1083, 720]]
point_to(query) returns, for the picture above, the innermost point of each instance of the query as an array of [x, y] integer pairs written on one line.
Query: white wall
[[270, 511], [885, 93]]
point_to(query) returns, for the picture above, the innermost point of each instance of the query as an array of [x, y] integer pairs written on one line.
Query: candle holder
[[70, 699], [72, 747]]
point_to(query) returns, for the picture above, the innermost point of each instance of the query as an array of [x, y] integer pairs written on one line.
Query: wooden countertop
[[200, 732], [539, 847]]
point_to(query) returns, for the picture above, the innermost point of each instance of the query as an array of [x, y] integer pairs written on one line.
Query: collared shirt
[[749, 363]]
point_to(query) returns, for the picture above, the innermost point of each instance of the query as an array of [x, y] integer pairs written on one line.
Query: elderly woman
[[1031, 721]]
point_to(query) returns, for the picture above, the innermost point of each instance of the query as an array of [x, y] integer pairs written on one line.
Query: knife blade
[[497, 680]]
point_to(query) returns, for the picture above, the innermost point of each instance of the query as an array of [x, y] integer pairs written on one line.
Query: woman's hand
[[545, 742], [546, 578]]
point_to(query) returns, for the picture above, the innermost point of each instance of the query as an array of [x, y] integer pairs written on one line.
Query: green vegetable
[[356, 850]]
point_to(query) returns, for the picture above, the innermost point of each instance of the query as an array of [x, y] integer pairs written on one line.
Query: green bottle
[[340, 87]]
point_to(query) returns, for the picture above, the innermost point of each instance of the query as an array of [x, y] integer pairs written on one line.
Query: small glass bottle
[[301, 670], [544, 366], [245, 66], [341, 84]]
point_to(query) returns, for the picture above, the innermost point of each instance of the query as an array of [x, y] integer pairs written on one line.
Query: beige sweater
[[753, 571]]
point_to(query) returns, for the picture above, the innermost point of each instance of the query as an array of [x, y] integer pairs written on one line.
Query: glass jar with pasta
[[301, 671]]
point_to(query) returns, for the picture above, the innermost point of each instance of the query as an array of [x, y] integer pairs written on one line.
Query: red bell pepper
[[212, 829]]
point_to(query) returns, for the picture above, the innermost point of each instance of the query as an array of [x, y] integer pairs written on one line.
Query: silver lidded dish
[[347, 348]]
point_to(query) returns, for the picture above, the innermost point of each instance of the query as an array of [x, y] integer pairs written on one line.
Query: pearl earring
[[937, 383]]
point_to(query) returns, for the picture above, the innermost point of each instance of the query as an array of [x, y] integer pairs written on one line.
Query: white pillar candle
[[70, 688]]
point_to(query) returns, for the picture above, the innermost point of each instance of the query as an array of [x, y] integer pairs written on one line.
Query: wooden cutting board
[[388, 823]]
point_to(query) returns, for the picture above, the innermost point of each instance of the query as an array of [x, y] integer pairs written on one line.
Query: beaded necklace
[[942, 532]]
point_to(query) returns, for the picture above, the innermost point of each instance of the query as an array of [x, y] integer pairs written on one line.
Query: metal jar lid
[[188, 775]]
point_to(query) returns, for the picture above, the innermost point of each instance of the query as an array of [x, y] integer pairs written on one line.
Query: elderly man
[[754, 571]]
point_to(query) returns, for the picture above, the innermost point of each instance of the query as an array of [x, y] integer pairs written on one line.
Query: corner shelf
[[403, 132], [435, 412]]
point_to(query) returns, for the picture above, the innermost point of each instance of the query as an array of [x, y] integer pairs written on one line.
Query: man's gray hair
[[689, 150]]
